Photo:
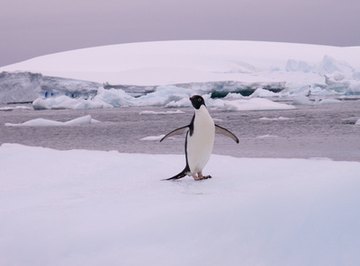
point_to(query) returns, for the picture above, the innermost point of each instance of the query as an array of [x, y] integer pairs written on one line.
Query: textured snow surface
[[106, 208]]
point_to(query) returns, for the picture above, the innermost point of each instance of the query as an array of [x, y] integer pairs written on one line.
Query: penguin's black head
[[197, 101]]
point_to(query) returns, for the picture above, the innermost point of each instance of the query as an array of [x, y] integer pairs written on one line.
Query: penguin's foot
[[200, 177]]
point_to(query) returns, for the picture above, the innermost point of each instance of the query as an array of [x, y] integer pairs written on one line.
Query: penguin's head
[[197, 101]]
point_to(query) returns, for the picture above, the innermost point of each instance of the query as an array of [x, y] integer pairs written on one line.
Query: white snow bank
[[105, 208], [41, 122]]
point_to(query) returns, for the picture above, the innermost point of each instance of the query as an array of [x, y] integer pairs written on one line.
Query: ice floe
[[41, 122]]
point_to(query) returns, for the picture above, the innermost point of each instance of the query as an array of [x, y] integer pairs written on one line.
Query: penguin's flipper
[[178, 131], [179, 175], [226, 132]]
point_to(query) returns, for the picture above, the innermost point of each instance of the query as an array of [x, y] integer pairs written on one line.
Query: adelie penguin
[[199, 140]]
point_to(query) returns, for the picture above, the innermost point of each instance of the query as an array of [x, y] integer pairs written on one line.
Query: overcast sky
[[38, 27]]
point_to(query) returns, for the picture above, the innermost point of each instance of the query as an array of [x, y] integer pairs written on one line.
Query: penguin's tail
[[180, 175]]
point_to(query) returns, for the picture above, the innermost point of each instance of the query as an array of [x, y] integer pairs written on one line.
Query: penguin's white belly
[[201, 143]]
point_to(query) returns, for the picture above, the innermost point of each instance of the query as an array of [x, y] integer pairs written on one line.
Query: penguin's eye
[[199, 100]]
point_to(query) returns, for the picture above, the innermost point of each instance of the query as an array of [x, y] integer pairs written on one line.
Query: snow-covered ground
[[81, 207], [169, 72], [106, 208]]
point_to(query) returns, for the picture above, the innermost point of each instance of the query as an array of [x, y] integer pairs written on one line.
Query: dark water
[[310, 131]]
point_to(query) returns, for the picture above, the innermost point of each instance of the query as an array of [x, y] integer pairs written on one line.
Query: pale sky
[[39, 27]]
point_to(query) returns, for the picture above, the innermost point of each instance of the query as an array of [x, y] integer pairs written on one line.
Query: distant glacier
[[166, 73]]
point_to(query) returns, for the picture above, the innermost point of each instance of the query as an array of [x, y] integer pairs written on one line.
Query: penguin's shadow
[[189, 186]]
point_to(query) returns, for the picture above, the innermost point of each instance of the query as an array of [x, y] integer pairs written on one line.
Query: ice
[[330, 65], [113, 98], [41, 122], [26, 87], [167, 73], [329, 101], [163, 97], [153, 138], [146, 112], [298, 66], [266, 136], [18, 107], [262, 93], [65, 102], [248, 104], [83, 207], [280, 118]]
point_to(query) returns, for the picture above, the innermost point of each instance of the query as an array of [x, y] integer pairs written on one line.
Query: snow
[[41, 122], [83, 207]]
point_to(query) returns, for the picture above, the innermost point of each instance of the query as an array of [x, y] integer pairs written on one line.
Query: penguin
[[199, 140]]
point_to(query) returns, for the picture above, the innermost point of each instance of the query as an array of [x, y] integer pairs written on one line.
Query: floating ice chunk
[[261, 93], [249, 104], [303, 100], [164, 95], [153, 138], [65, 102], [11, 108], [113, 98], [328, 101], [161, 112], [267, 136], [180, 103], [280, 118], [234, 96], [41, 122], [354, 88]]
